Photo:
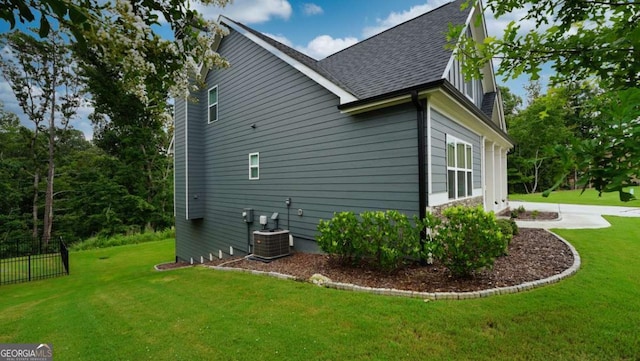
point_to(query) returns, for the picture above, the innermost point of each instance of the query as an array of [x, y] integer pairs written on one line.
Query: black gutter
[[421, 105], [422, 151]]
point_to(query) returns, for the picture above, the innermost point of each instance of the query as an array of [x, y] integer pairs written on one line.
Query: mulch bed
[[533, 254], [532, 215]]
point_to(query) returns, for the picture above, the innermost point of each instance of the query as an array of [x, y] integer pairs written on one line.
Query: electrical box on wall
[[247, 215]]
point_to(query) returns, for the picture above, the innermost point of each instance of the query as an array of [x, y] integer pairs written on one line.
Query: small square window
[[213, 104], [254, 166]]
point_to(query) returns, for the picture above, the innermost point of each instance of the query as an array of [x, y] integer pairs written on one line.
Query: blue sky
[[317, 28]]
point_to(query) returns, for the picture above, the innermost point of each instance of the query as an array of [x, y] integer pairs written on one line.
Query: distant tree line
[[112, 56], [96, 192], [576, 135]]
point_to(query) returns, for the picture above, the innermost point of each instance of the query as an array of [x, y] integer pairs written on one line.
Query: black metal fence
[[29, 261]]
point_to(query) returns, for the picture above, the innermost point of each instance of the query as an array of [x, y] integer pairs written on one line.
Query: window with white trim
[[213, 104], [254, 166], [459, 168]]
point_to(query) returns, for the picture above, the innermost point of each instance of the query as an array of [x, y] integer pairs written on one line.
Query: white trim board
[[186, 157]]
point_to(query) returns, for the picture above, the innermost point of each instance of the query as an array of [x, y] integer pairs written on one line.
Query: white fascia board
[[384, 103], [484, 129], [453, 54], [345, 96], [377, 104]]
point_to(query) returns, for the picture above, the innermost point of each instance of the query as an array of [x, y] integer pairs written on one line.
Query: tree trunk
[[48, 198], [36, 185], [36, 181], [536, 171]]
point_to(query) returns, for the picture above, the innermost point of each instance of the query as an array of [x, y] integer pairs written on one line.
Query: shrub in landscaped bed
[[468, 240], [509, 228], [385, 240], [341, 236]]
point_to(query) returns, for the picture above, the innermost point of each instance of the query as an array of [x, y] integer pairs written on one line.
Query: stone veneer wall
[[467, 202]]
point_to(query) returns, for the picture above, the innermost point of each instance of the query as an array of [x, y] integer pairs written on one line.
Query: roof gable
[[408, 55], [299, 61], [405, 56]]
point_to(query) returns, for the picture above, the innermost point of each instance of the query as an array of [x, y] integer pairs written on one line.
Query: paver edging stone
[[433, 295]]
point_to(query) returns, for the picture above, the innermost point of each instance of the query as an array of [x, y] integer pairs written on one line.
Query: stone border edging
[[171, 269], [434, 295]]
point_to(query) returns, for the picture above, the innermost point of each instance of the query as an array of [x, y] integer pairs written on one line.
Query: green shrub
[[388, 239], [514, 227], [468, 240], [384, 240], [341, 237], [517, 212], [509, 228]]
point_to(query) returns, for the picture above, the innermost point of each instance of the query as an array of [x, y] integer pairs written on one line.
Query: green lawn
[[113, 306], [589, 197]]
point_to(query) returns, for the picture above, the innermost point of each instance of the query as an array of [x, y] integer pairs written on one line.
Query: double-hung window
[[459, 168], [213, 104], [254, 166]]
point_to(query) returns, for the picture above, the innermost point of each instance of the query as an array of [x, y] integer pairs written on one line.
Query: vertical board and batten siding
[[441, 125], [456, 78], [324, 160]]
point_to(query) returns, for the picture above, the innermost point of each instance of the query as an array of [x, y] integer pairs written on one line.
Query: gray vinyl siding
[[440, 127], [324, 160], [195, 145], [179, 169]]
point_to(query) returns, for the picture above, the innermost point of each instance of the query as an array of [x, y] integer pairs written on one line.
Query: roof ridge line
[[389, 29]]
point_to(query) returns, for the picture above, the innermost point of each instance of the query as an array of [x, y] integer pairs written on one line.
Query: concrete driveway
[[573, 216]]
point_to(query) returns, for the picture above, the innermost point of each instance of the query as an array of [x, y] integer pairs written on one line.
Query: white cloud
[[496, 27], [82, 122], [324, 45], [311, 9], [9, 100], [395, 18], [248, 11]]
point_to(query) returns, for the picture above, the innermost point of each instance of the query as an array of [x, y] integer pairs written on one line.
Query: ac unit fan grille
[[270, 245]]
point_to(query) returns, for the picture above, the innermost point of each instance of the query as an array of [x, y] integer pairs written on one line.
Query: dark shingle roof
[[302, 58], [487, 103], [406, 55]]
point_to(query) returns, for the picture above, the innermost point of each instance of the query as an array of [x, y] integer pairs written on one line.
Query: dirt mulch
[[533, 254]]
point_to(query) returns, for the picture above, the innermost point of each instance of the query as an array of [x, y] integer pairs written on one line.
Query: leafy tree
[[31, 84], [579, 39], [511, 102], [15, 187], [124, 32], [610, 152], [537, 130], [45, 83], [582, 40]]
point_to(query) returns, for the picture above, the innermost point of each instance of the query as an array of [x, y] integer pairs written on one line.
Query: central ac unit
[[270, 244]]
